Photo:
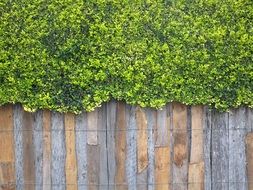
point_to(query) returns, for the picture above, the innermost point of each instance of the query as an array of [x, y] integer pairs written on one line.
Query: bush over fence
[[75, 54]]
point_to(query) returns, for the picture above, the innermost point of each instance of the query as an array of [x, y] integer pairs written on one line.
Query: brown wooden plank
[[71, 162], [249, 158], [92, 124], [29, 157], [7, 160], [142, 140], [162, 167], [196, 176], [120, 144], [180, 150], [46, 150]]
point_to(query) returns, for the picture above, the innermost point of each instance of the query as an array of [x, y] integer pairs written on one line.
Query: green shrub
[[75, 54]]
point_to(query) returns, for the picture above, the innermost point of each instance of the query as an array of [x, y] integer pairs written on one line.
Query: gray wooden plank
[[162, 128], [220, 150], [150, 113], [38, 149], [58, 152], [249, 119], [237, 156], [104, 172], [110, 135], [207, 148], [81, 150], [142, 180], [18, 141], [131, 164]]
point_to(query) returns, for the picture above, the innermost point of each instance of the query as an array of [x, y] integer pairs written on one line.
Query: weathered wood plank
[[29, 155], [46, 150], [81, 150], [120, 148], [93, 167], [106, 155], [162, 165], [180, 150], [58, 152], [38, 148], [162, 128], [142, 140], [93, 150], [142, 179], [70, 163], [207, 149], [131, 161], [18, 136], [196, 167], [111, 111], [237, 157], [196, 176], [92, 119], [220, 150], [7, 159], [151, 119], [249, 158]]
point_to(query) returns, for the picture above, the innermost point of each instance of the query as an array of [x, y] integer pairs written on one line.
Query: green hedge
[[69, 55]]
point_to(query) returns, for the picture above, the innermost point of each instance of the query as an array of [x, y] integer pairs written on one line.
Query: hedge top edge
[[76, 54]]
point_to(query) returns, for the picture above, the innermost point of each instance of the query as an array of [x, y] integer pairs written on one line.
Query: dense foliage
[[69, 55]]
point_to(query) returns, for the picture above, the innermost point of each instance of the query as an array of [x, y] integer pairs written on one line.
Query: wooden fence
[[125, 147]]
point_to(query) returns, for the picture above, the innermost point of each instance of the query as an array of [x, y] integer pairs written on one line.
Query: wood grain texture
[[92, 124], [7, 159], [58, 152], [107, 148], [207, 149], [180, 149], [18, 136], [38, 147], [46, 150], [196, 176], [81, 150], [70, 163], [162, 165], [162, 136], [142, 140], [93, 166], [237, 157], [249, 158], [220, 151], [29, 155], [120, 148]]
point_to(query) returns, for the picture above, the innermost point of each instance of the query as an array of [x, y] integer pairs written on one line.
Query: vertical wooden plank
[[180, 150], [38, 142], [92, 119], [249, 158], [151, 119], [70, 163], [207, 149], [7, 170], [106, 154], [131, 164], [142, 148], [81, 150], [142, 143], [29, 155], [93, 151], [162, 128], [162, 162], [18, 136], [46, 150], [220, 150], [196, 166], [111, 108], [196, 176], [120, 148], [237, 157], [58, 152]]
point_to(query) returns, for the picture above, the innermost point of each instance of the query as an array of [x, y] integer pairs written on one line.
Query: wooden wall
[[126, 147]]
